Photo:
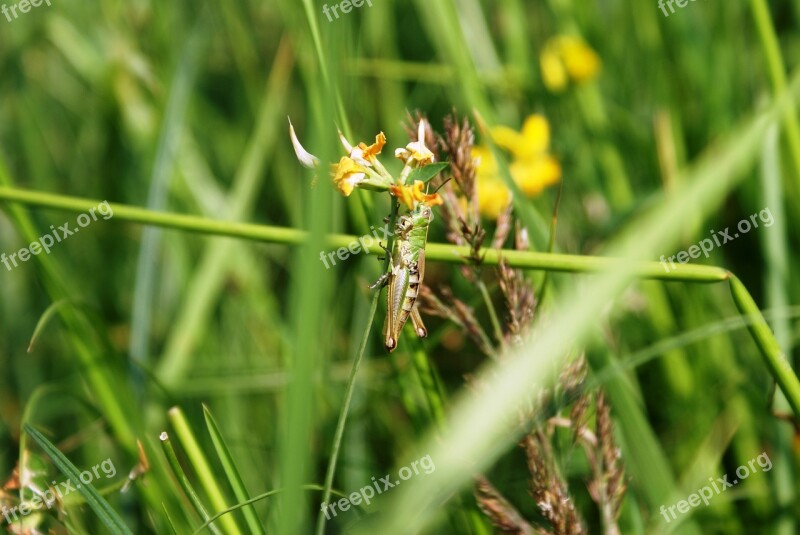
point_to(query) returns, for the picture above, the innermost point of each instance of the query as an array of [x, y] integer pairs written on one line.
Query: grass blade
[[232, 472], [99, 505]]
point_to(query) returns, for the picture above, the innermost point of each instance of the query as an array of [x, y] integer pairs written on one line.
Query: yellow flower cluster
[[532, 167], [360, 168], [564, 59]]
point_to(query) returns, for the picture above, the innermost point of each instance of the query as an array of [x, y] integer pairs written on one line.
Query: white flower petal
[[347, 147], [421, 132], [305, 157]]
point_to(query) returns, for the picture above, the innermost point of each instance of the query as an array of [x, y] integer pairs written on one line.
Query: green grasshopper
[[406, 274]]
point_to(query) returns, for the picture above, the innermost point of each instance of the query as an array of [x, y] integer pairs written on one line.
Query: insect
[[406, 274]]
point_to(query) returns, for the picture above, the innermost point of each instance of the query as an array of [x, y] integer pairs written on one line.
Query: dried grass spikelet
[[548, 487], [609, 485], [517, 291], [519, 299], [460, 211], [455, 310], [572, 381], [503, 228], [503, 515]]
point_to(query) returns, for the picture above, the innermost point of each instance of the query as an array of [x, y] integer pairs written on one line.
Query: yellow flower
[[532, 168], [565, 58], [373, 150], [363, 154], [361, 168], [493, 197], [347, 175], [530, 143], [410, 195], [535, 175]]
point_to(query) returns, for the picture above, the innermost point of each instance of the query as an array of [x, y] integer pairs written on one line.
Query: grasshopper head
[[424, 212]]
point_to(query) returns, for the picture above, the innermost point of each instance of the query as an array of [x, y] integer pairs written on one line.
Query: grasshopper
[[406, 274]]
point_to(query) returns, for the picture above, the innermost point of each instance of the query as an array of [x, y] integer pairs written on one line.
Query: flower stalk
[[770, 350]]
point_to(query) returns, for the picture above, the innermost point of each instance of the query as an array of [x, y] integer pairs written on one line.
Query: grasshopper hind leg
[[416, 321]]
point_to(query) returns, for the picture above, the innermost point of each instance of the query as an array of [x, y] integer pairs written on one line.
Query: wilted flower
[[566, 58]]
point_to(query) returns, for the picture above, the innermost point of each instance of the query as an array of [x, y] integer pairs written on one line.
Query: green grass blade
[[99, 505], [183, 481], [200, 465], [774, 357], [232, 472]]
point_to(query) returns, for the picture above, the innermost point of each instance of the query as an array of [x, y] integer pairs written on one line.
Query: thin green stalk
[[441, 252], [498, 331], [184, 482], [343, 413], [774, 357], [777, 74], [201, 467], [351, 382]]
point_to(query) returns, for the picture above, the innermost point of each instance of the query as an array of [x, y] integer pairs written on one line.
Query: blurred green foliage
[[182, 107]]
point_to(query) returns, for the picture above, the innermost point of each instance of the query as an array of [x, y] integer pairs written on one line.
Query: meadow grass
[[196, 338]]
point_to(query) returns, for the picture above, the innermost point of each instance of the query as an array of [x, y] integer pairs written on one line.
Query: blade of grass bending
[[232, 472], [442, 252], [184, 482], [99, 505], [201, 467], [44, 319], [771, 351]]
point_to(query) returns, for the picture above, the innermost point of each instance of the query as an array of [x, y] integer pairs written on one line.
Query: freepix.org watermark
[[680, 3], [365, 494], [345, 5], [705, 246], [49, 496], [24, 6], [356, 246], [57, 236], [721, 484]]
